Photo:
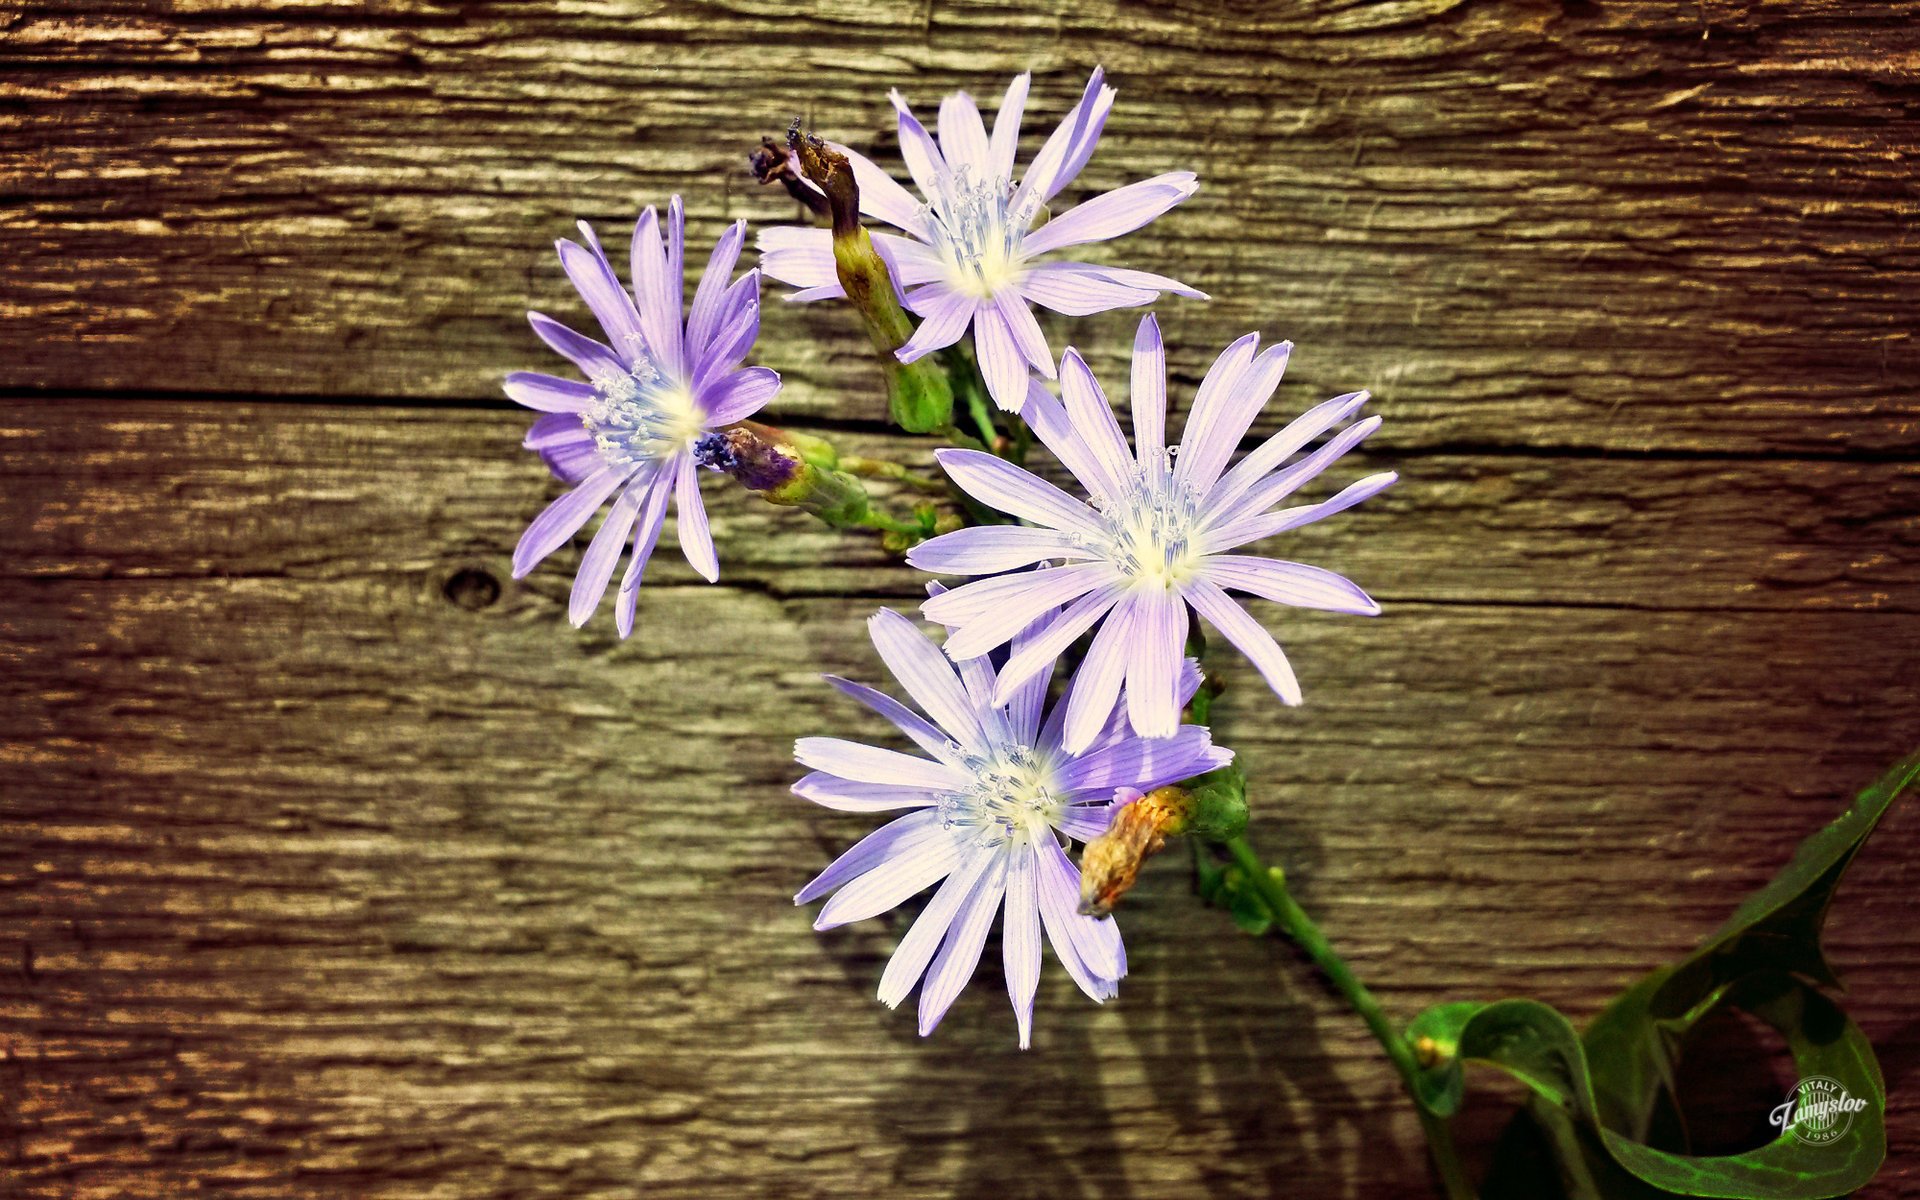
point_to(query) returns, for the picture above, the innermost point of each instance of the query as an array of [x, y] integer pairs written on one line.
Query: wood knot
[[472, 588]]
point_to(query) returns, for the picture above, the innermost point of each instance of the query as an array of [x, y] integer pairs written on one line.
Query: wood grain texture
[[1665, 224], [334, 863], [330, 870]]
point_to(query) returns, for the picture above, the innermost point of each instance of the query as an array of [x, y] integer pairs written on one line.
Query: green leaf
[[1595, 1097]]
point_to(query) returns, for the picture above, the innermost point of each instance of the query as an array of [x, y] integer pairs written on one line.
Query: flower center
[[975, 232], [1150, 528], [640, 415], [1011, 797]]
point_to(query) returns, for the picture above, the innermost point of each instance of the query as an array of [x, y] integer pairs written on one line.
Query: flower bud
[[919, 395], [1211, 806], [784, 468], [773, 163]]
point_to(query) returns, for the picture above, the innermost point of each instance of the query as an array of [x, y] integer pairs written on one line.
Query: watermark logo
[[1819, 1112]]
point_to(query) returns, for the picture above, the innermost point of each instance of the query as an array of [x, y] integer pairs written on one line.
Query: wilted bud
[[1211, 806], [784, 468], [773, 163], [918, 394]]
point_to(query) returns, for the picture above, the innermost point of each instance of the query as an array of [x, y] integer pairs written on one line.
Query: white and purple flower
[[652, 389], [988, 806], [969, 257], [1154, 539]]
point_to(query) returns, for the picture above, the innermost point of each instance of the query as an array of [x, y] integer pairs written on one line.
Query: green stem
[[880, 468], [1295, 922], [876, 519], [971, 389]]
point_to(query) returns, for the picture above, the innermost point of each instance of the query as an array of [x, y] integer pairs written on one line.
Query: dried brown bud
[[774, 163], [1112, 861], [828, 170]]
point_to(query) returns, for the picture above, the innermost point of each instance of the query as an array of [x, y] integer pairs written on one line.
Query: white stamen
[[974, 229], [1150, 527], [1011, 798], [640, 415]]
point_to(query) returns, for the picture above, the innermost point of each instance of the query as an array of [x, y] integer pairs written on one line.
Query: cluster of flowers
[[1002, 783]]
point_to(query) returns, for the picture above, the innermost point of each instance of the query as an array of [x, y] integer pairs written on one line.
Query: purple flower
[[652, 390], [989, 800], [1153, 541], [969, 255]]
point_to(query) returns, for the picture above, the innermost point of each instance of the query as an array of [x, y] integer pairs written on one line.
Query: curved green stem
[[880, 468], [1291, 918]]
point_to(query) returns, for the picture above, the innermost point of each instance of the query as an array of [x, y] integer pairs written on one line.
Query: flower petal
[[1016, 491], [881, 196], [925, 734], [944, 315], [690, 518], [1278, 486], [1153, 670], [1097, 103], [659, 297], [603, 554], [653, 514], [1001, 363], [1216, 386], [1006, 132], [703, 319], [902, 835], [963, 136], [1147, 281], [1033, 657], [1056, 913], [1233, 622], [913, 263], [1062, 156], [739, 395], [1292, 583], [1025, 330], [1059, 882], [564, 517], [1277, 449], [911, 864], [996, 609], [960, 953], [596, 361], [1118, 212], [844, 795], [594, 279], [918, 151], [1085, 822], [989, 549], [1023, 702], [1149, 391], [548, 393], [926, 674], [910, 958], [1048, 419], [1096, 685], [874, 764], [739, 326], [1210, 440], [1254, 528], [676, 254], [1142, 763], [1079, 289], [1020, 932], [1093, 418]]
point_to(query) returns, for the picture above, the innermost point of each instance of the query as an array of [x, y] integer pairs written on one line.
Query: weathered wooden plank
[[327, 883], [1658, 224], [319, 874], [160, 488]]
